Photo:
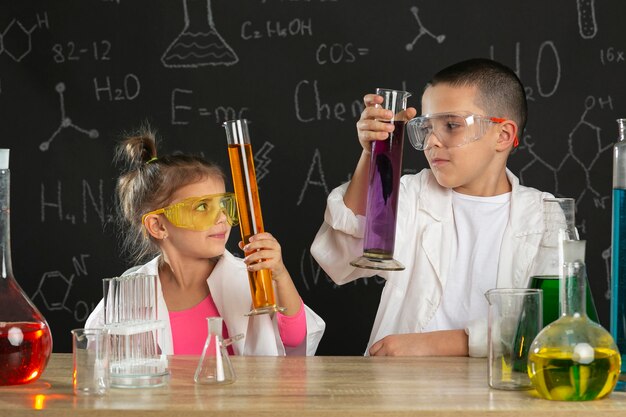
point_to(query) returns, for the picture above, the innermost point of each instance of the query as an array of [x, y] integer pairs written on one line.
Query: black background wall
[[76, 74]]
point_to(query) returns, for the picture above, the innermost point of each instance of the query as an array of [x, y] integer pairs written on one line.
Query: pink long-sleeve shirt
[[189, 327]]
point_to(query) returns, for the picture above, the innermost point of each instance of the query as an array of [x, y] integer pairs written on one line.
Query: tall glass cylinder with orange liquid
[[25, 339], [249, 207]]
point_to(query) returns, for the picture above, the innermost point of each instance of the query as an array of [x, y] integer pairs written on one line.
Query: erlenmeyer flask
[[215, 366], [25, 339], [559, 225], [384, 188], [573, 358]]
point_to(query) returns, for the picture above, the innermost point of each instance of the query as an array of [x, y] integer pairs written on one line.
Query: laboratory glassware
[[384, 186], [618, 256], [559, 224], [130, 311], [513, 322], [25, 338], [573, 358], [215, 366], [249, 208]]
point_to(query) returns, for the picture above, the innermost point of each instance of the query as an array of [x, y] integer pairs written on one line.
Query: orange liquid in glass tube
[[250, 218]]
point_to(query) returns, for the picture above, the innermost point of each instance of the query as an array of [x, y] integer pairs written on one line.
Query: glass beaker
[[384, 186], [215, 366], [618, 256], [559, 224], [249, 208], [90, 355], [573, 358], [25, 338], [514, 321]]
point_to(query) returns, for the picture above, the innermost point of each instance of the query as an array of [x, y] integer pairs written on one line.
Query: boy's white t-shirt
[[480, 224]]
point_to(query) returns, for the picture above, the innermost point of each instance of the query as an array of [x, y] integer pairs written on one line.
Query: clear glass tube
[[618, 248], [249, 208], [132, 323]]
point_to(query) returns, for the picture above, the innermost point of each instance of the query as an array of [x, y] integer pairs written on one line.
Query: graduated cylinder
[[249, 207], [618, 256]]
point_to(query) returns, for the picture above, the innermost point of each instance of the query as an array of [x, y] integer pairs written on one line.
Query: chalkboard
[[74, 75]]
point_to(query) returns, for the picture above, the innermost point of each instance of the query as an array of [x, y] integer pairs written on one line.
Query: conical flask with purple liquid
[[384, 185]]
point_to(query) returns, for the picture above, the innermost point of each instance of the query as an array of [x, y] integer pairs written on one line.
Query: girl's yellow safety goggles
[[200, 213]]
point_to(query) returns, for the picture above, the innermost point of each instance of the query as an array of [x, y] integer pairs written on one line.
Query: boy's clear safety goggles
[[200, 213], [451, 129]]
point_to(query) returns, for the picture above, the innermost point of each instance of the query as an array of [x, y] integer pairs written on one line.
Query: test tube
[[249, 207], [132, 320], [384, 185], [108, 288]]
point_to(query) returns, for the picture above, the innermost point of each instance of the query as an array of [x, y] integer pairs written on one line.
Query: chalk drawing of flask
[[199, 44]]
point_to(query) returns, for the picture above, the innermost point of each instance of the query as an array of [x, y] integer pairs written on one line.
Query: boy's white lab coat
[[230, 290], [425, 237]]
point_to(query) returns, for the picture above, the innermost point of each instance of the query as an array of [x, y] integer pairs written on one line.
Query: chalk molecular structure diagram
[[582, 131], [66, 122], [422, 31], [58, 286], [54, 289], [585, 161], [16, 40]]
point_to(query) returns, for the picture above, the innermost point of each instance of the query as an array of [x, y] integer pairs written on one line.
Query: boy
[[464, 226]]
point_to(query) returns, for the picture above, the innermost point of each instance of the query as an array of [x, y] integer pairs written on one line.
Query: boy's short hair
[[500, 91]]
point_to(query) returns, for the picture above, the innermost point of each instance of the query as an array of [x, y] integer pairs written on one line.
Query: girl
[[176, 207]]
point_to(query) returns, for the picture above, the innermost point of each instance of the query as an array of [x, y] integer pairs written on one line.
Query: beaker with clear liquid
[[384, 186], [513, 322]]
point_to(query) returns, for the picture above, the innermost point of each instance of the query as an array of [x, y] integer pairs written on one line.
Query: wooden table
[[297, 386]]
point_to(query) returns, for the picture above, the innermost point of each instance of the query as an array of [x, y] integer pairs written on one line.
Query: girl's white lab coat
[[230, 290], [425, 237]]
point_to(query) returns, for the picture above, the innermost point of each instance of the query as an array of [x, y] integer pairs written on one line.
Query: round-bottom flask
[[573, 358], [25, 339]]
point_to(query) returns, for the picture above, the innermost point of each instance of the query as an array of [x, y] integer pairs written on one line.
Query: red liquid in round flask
[[25, 339]]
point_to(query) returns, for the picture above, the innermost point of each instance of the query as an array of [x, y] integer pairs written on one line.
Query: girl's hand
[[263, 252]]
